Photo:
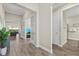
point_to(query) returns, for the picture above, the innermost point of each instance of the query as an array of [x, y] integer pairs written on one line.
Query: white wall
[[45, 26], [12, 21], [56, 27], [28, 23], [22, 28], [61, 31], [2, 16], [34, 29], [73, 21], [32, 6]]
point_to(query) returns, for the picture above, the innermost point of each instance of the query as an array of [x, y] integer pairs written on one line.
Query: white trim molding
[[34, 43], [37, 17], [44, 48], [51, 27], [74, 39], [62, 30]]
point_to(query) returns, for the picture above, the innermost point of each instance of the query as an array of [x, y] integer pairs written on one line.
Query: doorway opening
[[20, 21], [70, 20]]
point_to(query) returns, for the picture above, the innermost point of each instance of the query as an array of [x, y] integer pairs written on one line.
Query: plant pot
[[3, 51], [0, 50]]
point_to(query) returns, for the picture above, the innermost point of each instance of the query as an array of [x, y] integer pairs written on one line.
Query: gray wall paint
[[45, 26], [56, 27]]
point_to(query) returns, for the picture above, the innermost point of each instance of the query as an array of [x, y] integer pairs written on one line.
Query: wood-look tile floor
[[20, 47], [71, 48]]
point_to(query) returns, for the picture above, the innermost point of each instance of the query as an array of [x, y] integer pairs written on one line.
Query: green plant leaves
[[3, 36]]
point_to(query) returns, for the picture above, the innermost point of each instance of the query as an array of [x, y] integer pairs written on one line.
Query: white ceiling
[[58, 5], [14, 9], [72, 12]]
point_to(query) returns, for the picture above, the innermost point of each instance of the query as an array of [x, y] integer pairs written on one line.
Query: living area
[[13, 20]]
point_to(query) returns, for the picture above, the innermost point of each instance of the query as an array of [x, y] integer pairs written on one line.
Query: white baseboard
[[58, 45], [45, 49], [61, 45], [42, 47], [73, 39], [34, 44]]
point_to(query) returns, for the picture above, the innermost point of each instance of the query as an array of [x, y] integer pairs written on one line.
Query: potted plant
[[3, 40]]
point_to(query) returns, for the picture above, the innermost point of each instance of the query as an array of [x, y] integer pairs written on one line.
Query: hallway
[[29, 21], [20, 47]]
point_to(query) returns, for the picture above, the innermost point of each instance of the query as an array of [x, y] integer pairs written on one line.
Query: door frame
[[62, 18], [37, 23]]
